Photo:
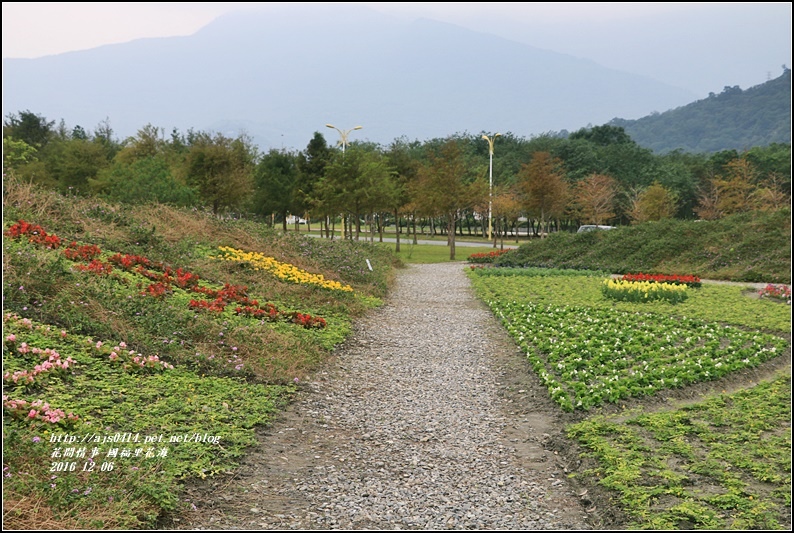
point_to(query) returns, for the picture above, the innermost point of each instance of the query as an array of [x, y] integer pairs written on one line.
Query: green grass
[[431, 253]]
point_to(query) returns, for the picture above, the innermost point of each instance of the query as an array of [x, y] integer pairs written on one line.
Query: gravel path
[[410, 428]]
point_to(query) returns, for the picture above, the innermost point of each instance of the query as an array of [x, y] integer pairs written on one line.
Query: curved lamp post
[[343, 141], [343, 134], [490, 178]]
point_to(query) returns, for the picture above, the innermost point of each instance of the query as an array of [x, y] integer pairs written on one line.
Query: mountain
[[731, 120], [282, 76]]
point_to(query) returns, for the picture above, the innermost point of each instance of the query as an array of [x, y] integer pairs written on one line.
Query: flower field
[[56, 424], [721, 463], [133, 362], [587, 357]]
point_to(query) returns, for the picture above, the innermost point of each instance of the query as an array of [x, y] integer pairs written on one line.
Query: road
[[409, 241]]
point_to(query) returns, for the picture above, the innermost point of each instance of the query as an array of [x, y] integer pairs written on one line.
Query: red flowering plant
[[486, 257], [128, 261], [676, 279], [96, 267], [308, 321], [86, 252], [34, 233]]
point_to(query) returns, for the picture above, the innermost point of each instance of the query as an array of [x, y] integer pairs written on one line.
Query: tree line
[[551, 182]]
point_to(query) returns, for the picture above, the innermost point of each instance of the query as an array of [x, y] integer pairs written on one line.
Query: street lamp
[[490, 179], [343, 134], [343, 141]]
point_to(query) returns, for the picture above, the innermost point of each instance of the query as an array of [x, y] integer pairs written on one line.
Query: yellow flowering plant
[[643, 291], [284, 271]]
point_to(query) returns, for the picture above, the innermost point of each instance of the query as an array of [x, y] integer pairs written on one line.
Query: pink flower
[[11, 338], [32, 413]]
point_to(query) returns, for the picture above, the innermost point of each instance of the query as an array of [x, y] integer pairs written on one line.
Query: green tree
[[275, 181], [17, 153], [103, 136], [147, 142], [220, 169], [73, 163], [356, 182], [145, 180], [29, 127], [543, 188], [445, 188], [653, 203], [605, 135], [402, 158], [79, 133], [311, 169]]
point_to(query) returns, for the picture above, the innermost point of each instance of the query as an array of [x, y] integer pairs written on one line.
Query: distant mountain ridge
[[281, 77], [732, 120]]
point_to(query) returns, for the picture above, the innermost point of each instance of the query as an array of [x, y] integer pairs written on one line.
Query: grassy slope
[[752, 247], [231, 372]]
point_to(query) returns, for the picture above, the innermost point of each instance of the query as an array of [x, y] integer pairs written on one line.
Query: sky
[[35, 29], [745, 50]]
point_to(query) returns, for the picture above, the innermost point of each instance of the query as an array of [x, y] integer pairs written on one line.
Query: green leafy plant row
[[724, 463], [586, 356]]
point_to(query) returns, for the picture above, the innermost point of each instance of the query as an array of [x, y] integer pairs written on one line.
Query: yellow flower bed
[[281, 270], [643, 291]]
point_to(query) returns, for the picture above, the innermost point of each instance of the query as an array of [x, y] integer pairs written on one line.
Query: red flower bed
[[164, 278], [486, 257], [81, 253], [34, 233], [96, 267]]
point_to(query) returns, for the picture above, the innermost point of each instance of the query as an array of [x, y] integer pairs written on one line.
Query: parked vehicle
[[593, 227]]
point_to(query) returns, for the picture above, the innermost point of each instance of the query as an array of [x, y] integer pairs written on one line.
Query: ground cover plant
[[123, 332], [719, 463], [753, 247], [724, 463]]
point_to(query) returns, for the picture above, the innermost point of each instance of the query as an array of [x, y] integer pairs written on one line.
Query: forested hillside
[[735, 119]]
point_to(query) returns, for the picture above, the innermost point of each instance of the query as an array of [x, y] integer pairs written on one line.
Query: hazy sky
[[35, 29], [748, 42]]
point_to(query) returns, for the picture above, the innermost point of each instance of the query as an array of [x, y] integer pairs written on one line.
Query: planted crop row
[[586, 356], [724, 463]]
